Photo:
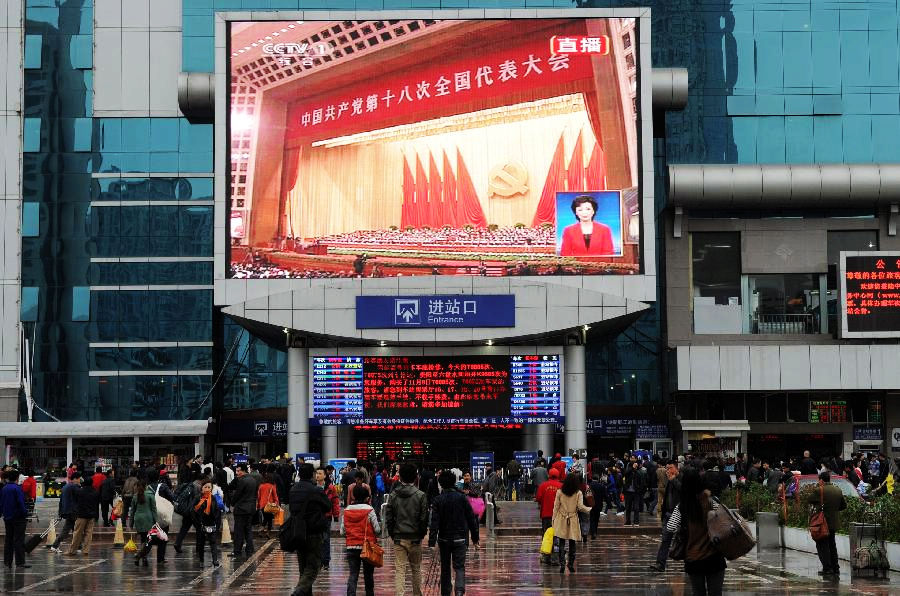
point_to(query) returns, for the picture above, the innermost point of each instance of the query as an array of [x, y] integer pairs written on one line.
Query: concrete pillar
[[199, 445], [329, 443], [3, 458], [70, 451], [298, 401], [345, 445], [529, 438], [137, 448], [575, 397], [543, 439]]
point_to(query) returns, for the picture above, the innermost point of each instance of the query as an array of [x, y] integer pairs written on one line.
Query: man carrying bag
[[824, 523]]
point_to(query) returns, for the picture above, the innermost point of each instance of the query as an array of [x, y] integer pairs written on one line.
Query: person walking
[[359, 524], [830, 500], [308, 500], [107, 496], [208, 510], [703, 563], [670, 498], [634, 487], [243, 495], [159, 483], [406, 518], [495, 485], [598, 488], [513, 476], [452, 522], [662, 477], [67, 511], [128, 493], [539, 475], [266, 496], [87, 510], [546, 497], [185, 496], [323, 483], [566, 507], [15, 517], [143, 518]]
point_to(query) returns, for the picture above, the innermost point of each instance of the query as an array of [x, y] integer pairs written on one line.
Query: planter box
[[799, 539]]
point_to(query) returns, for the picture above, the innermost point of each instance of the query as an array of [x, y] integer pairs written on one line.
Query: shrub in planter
[[748, 499]]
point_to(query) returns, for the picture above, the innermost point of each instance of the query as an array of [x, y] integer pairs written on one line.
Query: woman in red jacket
[[266, 494], [586, 237], [359, 525]]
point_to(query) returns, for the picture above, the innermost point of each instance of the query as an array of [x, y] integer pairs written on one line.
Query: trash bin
[[768, 530], [868, 556]]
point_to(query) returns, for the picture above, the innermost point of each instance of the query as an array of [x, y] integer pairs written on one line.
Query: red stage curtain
[[595, 174], [423, 215], [408, 210], [575, 172], [450, 202], [546, 209], [289, 170], [469, 207], [593, 109], [435, 191]]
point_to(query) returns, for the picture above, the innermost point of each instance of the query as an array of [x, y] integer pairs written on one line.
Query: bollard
[[226, 531], [119, 537], [768, 530], [489, 512]]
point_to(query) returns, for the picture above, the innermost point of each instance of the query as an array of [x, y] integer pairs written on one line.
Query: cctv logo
[[297, 49]]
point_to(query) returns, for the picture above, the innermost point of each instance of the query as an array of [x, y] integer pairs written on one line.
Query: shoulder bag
[[164, 509], [292, 536], [371, 550], [818, 525]]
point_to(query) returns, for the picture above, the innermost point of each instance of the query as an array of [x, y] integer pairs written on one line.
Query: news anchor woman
[[586, 237]]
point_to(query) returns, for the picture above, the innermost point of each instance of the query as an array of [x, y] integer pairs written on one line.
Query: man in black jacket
[[406, 517], [452, 521], [67, 509], [671, 497], [243, 497], [635, 484], [87, 509], [310, 501], [107, 495]]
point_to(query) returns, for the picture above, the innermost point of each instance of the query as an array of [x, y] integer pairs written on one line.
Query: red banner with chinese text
[[439, 89]]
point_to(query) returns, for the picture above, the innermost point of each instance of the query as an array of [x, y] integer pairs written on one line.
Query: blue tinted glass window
[[164, 134], [29, 303], [196, 188], [81, 303], [31, 219], [135, 134], [110, 134], [32, 141], [83, 129], [81, 51], [33, 45]]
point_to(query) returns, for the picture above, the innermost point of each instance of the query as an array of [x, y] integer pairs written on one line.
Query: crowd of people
[[542, 238], [426, 508]]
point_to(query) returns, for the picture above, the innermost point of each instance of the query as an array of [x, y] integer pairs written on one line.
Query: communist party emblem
[[508, 179]]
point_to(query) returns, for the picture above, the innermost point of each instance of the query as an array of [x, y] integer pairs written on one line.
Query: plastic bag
[[547, 542], [130, 546], [279, 517]]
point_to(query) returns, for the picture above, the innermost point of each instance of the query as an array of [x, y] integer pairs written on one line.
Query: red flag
[[423, 216], [408, 209], [435, 191], [469, 206], [546, 209], [595, 174], [450, 202], [575, 173]]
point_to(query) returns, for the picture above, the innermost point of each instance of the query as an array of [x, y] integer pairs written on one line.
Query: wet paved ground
[[613, 564]]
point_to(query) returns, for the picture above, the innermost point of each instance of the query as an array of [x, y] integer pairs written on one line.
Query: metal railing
[[784, 324]]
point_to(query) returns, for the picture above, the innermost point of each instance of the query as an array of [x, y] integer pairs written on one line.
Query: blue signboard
[[307, 458], [416, 312], [569, 460], [479, 462], [526, 459], [867, 433], [652, 431], [240, 458]]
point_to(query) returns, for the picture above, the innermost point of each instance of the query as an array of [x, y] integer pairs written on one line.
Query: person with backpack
[[309, 501], [184, 496], [703, 562], [406, 518], [452, 522]]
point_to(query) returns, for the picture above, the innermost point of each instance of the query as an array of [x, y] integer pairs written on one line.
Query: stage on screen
[[422, 147]]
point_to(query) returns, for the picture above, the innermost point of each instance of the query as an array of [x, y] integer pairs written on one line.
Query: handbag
[[292, 536], [818, 525], [165, 509], [279, 517], [589, 498], [371, 550], [271, 508], [678, 548], [158, 533]]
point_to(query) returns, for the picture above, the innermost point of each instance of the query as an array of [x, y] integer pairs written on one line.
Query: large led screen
[[430, 390], [434, 147]]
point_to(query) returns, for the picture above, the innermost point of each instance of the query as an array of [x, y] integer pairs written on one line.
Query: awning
[[716, 428], [95, 428]]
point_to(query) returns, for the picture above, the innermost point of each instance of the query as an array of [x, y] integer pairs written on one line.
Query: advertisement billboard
[[870, 294], [434, 147]]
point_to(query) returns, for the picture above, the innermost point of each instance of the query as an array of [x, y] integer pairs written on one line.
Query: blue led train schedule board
[[481, 389]]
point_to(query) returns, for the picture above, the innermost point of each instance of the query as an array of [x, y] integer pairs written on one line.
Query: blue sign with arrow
[[417, 312]]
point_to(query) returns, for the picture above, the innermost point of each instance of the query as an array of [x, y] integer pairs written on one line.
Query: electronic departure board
[[436, 389]]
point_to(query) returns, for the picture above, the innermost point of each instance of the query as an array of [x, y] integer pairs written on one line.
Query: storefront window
[[716, 266], [784, 303]]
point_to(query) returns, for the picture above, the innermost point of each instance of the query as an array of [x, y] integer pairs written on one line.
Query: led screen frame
[[892, 264], [641, 200]]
